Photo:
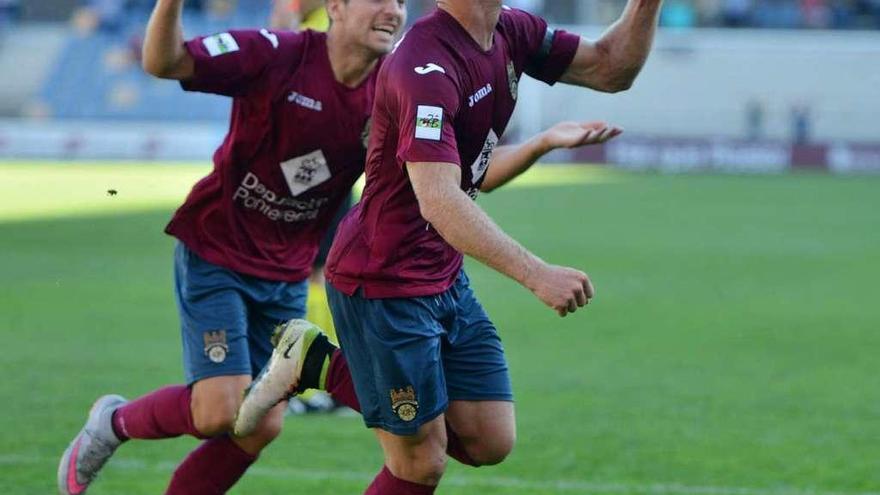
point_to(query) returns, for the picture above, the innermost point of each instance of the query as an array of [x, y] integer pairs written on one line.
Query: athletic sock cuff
[[316, 363]]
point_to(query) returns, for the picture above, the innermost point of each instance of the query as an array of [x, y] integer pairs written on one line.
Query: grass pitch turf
[[732, 348]]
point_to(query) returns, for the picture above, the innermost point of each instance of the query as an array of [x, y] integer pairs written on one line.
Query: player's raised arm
[[612, 63], [469, 230], [510, 161], [163, 52]]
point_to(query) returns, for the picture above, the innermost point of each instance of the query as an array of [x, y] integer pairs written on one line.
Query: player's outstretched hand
[[577, 134], [563, 289]]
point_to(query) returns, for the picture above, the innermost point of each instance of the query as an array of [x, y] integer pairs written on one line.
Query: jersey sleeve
[[538, 50], [232, 63], [425, 103]]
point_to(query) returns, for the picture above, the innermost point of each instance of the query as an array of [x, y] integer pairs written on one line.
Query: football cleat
[[91, 448], [280, 379]]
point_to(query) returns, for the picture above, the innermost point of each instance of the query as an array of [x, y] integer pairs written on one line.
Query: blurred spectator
[[815, 13], [219, 9], [737, 13], [678, 14], [10, 10], [778, 14], [755, 116], [801, 125], [869, 10], [842, 13], [94, 15], [299, 14], [192, 5], [708, 12]]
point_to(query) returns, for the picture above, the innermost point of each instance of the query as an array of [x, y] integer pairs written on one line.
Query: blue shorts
[[227, 318], [410, 356]]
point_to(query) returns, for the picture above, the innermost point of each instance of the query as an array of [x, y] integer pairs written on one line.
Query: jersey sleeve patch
[[220, 44], [429, 123]]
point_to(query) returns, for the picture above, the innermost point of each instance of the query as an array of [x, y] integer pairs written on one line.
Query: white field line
[[547, 486]]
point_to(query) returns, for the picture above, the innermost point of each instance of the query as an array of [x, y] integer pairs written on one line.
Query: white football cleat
[[280, 379]]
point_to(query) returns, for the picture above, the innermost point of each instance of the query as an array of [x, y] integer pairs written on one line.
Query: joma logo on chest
[[304, 101], [479, 95]]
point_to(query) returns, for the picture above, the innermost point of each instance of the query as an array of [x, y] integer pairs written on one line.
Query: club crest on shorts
[[215, 345], [404, 403], [512, 80]]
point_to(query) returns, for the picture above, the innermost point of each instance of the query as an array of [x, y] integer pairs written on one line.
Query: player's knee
[[426, 467], [424, 462], [432, 467], [214, 417], [492, 451], [486, 443]]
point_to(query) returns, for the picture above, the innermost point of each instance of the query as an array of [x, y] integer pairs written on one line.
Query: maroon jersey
[[296, 145], [440, 98]]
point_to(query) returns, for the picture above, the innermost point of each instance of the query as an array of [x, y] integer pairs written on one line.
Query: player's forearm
[[163, 52], [508, 162], [469, 229], [628, 42]]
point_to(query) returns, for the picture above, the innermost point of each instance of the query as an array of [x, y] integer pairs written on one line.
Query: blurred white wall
[[102, 140], [701, 82]]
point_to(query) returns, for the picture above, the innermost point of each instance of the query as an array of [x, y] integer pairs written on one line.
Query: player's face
[[374, 24]]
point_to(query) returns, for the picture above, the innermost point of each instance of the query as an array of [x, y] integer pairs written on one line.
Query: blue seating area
[[98, 76]]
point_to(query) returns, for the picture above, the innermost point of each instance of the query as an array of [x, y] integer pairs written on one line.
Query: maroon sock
[[164, 413], [339, 383], [211, 469], [455, 448], [386, 484]]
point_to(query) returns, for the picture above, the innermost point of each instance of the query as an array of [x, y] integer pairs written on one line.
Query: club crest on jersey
[[512, 80], [305, 172], [404, 403], [215, 345], [220, 44], [429, 123]]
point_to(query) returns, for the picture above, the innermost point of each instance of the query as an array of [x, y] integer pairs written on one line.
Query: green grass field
[[733, 348]]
